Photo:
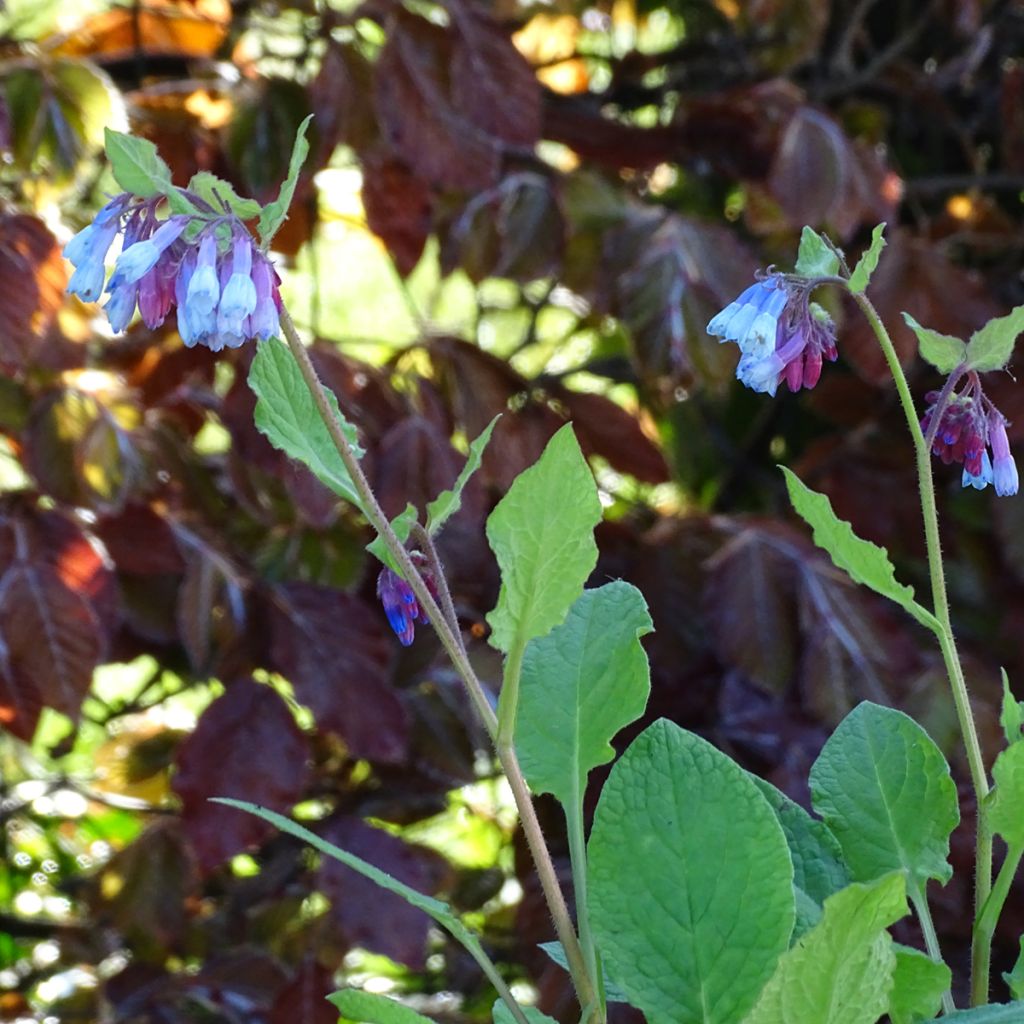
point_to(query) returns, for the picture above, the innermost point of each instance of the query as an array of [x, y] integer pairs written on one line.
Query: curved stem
[[988, 916], [981, 947], [931, 939], [585, 987]]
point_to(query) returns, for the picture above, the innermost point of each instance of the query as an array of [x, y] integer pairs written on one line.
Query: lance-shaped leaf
[[275, 213], [542, 533], [371, 1008], [918, 985], [866, 563], [991, 347], [580, 685], [869, 261], [815, 257], [841, 971], [287, 415], [447, 503], [943, 351], [691, 883], [136, 165], [884, 789]]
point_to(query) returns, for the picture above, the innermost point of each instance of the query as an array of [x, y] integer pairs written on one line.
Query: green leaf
[[869, 261], [818, 868], [136, 165], [613, 993], [1006, 803], [691, 885], [815, 257], [581, 684], [918, 985], [1015, 978], [1011, 717], [542, 533], [447, 503], [943, 351], [287, 415], [370, 1008], [996, 1013], [991, 347], [274, 214], [503, 1015], [402, 525], [884, 789], [866, 563], [436, 909], [217, 192], [808, 914], [841, 971]]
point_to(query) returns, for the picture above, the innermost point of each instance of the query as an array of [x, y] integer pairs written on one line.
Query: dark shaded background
[[557, 217]]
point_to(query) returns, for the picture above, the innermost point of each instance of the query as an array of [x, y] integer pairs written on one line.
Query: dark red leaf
[[334, 650], [245, 745], [398, 207], [304, 999], [415, 462], [141, 541], [365, 914], [342, 98], [50, 643]]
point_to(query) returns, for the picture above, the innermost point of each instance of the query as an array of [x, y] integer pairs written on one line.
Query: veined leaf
[[943, 351], [991, 347], [815, 258], [869, 261], [918, 985], [136, 165], [447, 503], [275, 213], [218, 192]]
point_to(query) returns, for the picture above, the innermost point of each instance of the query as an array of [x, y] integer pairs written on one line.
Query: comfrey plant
[[702, 894]]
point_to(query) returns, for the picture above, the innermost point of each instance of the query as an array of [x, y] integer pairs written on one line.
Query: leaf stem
[[931, 939], [508, 702], [584, 984], [988, 916], [981, 945], [578, 858]]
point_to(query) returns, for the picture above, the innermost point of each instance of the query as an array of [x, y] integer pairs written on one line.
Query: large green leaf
[[818, 867], [371, 1008], [447, 503], [691, 883], [943, 351], [866, 563], [918, 986], [581, 684], [287, 415], [136, 165], [275, 213], [841, 971], [869, 261], [991, 347], [1006, 809], [542, 533], [815, 258], [884, 789]]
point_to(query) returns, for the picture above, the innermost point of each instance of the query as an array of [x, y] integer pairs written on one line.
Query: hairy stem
[[578, 856], [988, 916], [931, 939], [453, 645], [426, 543], [981, 946]]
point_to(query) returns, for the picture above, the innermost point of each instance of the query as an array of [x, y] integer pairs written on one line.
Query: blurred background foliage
[[522, 208]]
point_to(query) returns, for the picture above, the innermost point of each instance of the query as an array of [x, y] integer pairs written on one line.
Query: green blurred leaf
[[943, 351], [137, 166], [869, 261], [884, 789], [918, 985], [218, 192], [866, 563], [369, 1008], [542, 533], [275, 213], [1006, 803], [691, 884], [818, 867], [581, 684], [613, 993], [815, 257], [840, 972], [287, 415], [447, 503], [991, 347]]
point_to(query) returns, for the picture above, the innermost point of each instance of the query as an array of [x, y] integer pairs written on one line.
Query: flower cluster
[[224, 287], [968, 426], [399, 601], [781, 336]]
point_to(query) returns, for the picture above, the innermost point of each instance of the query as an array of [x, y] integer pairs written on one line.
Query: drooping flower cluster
[[781, 336], [224, 287], [968, 426], [399, 601]]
